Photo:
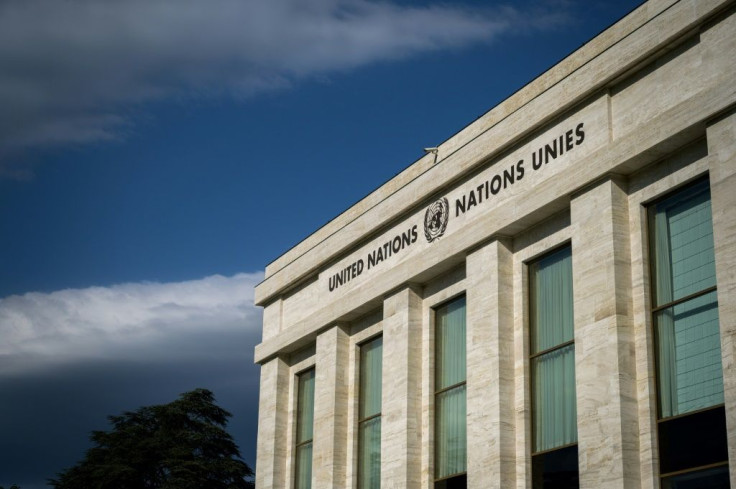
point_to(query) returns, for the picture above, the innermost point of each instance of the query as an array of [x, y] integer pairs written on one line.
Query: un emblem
[[435, 219]]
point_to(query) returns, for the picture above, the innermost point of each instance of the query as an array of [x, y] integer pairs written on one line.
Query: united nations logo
[[435, 219]]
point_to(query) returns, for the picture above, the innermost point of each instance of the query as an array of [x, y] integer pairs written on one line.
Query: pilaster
[[273, 410], [490, 369], [604, 340], [330, 409], [722, 172], [401, 439]]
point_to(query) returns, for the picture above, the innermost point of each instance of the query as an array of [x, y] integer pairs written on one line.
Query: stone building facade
[[550, 303]]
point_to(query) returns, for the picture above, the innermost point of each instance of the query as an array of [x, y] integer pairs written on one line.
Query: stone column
[[604, 340], [722, 168], [401, 437], [273, 413], [329, 457], [490, 367]]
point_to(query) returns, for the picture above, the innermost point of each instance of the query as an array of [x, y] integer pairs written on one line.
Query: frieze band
[[437, 215]]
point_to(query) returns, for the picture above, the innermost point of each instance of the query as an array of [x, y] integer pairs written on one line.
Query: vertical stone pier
[[401, 437], [273, 420], [330, 409], [490, 368], [604, 338], [722, 172]]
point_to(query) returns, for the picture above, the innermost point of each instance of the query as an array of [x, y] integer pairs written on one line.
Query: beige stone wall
[[401, 435], [272, 319], [722, 168], [490, 374], [273, 421], [299, 303], [331, 408], [657, 99], [608, 442]]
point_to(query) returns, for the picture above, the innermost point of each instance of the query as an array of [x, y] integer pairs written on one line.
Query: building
[[550, 303]]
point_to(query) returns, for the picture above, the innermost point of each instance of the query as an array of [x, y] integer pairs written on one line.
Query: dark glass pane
[[693, 440], [457, 482], [716, 478], [556, 470]]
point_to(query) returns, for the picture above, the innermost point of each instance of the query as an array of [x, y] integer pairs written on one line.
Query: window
[[688, 348], [369, 415], [554, 413], [450, 412], [304, 430]]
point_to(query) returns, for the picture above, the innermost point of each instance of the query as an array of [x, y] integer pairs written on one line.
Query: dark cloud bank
[[72, 357], [77, 71]]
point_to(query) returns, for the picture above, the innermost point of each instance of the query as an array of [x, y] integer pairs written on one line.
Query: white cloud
[[69, 358], [138, 321], [72, 71]]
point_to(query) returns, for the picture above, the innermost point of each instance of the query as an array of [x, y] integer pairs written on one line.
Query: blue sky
[[155, 155]]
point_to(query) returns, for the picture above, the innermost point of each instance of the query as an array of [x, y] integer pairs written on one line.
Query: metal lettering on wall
[[439, 212]]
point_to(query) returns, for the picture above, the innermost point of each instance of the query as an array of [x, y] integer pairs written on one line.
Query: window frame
[[299, 421], [653, 309], [360, 420], [531, 356], [436, 392]]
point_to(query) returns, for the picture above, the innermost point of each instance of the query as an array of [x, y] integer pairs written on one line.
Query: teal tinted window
[[304, 430], [450, 398], [686, 308], [369, 413], [553, 352]]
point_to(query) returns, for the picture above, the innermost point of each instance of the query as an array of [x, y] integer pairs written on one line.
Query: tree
[[179, 445]]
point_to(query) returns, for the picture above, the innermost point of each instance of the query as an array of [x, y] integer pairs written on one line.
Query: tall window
[[554, 422], [304, 430], [692, 423], [450, 413], [369, 415]]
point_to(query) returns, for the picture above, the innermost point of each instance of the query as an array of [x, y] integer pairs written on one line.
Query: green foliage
[[180, 445], [11, 487]]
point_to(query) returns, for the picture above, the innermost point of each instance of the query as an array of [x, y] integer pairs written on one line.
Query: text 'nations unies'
[[559, 146]]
